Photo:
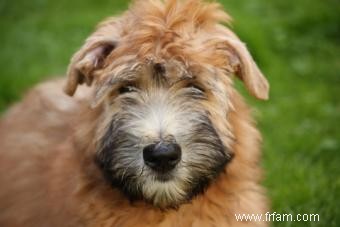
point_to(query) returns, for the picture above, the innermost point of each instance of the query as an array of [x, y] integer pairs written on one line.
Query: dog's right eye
[[127, 89]]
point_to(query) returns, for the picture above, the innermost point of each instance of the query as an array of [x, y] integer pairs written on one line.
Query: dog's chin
[[163, 191]]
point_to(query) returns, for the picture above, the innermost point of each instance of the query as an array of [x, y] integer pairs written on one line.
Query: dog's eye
[[196, 88], [127, 89]]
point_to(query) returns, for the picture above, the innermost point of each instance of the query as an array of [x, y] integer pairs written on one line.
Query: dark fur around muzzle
[[120, 158]]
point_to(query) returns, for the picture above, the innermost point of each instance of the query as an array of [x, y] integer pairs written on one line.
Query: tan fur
[[48, 177]]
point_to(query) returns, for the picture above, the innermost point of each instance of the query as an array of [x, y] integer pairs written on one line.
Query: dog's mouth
[[163, 177]]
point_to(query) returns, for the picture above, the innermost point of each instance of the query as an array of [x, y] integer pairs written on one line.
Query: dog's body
[[162, 76]]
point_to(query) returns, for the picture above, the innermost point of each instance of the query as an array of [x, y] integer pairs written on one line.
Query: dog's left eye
[[127, 89], [196, 88]]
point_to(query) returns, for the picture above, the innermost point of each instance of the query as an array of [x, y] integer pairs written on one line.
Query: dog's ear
[[243, 65], [89, 59]]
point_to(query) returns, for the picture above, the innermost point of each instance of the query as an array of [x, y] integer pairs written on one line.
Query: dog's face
[[164, 133], [158, 141]]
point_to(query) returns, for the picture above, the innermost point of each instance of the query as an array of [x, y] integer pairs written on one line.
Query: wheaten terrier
[[159, 137]]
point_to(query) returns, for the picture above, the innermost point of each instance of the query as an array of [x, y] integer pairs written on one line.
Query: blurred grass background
[[295, 42]]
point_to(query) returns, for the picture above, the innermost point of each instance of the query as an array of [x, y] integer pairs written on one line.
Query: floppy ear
[[91, 56], [245, 68], [84, 64]]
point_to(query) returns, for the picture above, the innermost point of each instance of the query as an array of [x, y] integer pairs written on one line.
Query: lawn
[[295, 42]]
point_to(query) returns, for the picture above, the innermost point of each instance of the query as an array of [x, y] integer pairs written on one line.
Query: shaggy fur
[[160, 73]]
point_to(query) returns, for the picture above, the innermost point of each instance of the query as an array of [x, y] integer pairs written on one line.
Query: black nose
[[162, 157]]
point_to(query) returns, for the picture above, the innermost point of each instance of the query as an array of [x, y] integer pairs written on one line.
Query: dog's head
[[163, 75]]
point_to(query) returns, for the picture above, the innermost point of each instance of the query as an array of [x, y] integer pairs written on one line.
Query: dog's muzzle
[[162, 157]]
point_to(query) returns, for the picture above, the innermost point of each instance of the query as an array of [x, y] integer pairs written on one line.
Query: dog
[[158, 137]]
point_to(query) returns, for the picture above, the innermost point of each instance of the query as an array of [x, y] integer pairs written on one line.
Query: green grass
[[295, 42]]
